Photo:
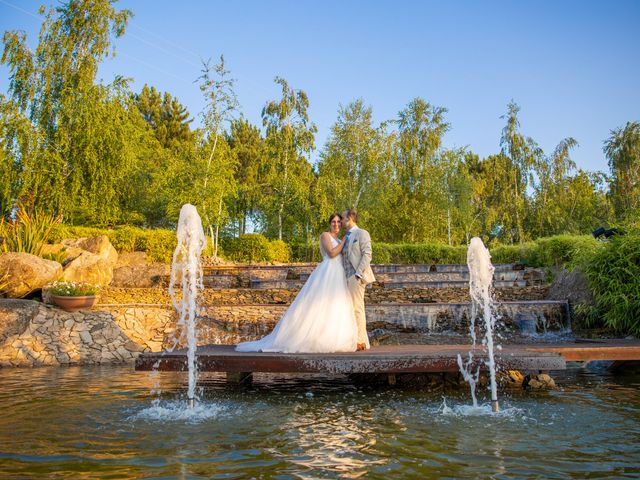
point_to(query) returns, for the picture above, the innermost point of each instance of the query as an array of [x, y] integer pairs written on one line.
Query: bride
[[321, 317]]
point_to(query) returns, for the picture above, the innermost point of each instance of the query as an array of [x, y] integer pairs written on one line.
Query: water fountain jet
[[186, 268], [480, 279]]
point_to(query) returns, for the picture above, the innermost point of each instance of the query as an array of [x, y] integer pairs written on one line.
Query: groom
[[356, 259]]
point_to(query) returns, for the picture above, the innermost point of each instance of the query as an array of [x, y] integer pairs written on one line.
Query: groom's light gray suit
[[356, 259]]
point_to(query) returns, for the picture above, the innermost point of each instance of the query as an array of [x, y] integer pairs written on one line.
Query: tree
[[349, 159], [622, 148], [221, 105], [168, 118], [290, 137], [522, 154], [421, 127], [249, 148], [81, 132]]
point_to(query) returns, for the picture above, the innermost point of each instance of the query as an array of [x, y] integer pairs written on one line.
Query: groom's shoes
[[361, 346]]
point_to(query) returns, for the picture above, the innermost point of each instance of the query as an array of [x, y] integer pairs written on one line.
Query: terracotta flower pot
[[73, 304]]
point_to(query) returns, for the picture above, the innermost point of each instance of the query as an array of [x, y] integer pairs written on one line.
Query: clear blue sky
[[572, 66]]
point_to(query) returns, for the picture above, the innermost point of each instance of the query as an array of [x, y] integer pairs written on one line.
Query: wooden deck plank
[[393, 358], [383, 359]]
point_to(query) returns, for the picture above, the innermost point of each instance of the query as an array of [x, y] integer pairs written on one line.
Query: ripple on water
[[179, 411], [103, 422]]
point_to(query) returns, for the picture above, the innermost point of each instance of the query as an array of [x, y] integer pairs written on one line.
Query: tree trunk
[[449, 225], [217, 237]]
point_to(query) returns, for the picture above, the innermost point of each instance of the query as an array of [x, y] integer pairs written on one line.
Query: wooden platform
[[392, 358]]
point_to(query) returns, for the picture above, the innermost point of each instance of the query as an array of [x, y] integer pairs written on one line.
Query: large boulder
[[99, 246], [132, 259], [140, 276], [27, 273], [89, 268]]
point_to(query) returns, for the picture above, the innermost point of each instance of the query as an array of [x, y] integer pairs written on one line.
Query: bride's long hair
[[334, 215]]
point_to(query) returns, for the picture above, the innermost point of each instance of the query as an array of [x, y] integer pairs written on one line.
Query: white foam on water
[[480, 410], [179, 411]]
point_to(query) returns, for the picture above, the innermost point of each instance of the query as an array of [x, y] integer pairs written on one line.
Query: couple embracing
[[328, 313]]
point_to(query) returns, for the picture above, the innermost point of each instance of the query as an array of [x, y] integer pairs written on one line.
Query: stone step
[[404, 277], [233, 296], [297, 284], [234, 323], [294, 275], [454, 284], [228, 276], [276, 271]]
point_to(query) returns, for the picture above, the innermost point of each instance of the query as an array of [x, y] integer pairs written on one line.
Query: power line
[[15, 7]]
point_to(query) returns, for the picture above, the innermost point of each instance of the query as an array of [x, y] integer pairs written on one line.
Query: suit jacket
[[359, 254]]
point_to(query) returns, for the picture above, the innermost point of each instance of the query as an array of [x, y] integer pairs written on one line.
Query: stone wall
[[246, 296], [33, 334]]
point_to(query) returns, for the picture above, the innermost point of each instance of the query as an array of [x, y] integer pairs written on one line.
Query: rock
[[140, 276], [541, 381], [99, 246], [63, 358], [131, 259], [572, 286], [133, 346], [89, 268], [86, 337], [27, 273], [16, 316]]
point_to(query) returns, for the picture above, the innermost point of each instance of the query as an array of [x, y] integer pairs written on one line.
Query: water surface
[[104, 422]]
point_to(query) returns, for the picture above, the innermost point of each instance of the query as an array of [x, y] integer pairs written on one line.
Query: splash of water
[[470, 377], [187, 268], [480, 279], [173, 411]]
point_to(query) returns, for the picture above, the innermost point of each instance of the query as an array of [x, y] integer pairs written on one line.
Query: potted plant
[[73, 296]]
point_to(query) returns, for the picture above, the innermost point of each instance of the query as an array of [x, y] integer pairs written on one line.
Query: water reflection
[[334, 437], [103, 422]]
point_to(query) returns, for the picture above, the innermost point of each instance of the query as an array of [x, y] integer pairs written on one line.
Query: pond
[[105, 422]]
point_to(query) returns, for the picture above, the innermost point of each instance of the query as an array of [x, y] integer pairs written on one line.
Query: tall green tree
[[418, 213], [522, 153], [623, 151], [218, 90], [290, 140], [350, 163], [168, 118], [249, 148], [82, 133]]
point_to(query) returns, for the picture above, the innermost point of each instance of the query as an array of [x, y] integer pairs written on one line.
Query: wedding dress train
[[320, 319]]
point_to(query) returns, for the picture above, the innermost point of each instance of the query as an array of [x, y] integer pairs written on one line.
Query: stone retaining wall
[[33, 334], [240, 296]]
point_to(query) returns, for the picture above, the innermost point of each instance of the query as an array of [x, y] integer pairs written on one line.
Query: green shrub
[[560, 250], [251, 247], [28, 232], [279, 251], [61, 232], [126, 239], [614, 279], [305, 252], [158, 244]]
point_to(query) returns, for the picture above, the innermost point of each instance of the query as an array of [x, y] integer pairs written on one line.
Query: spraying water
[[187, 268], [480, 280]]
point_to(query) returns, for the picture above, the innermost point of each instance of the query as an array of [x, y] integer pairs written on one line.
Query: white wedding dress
[[320, 318]]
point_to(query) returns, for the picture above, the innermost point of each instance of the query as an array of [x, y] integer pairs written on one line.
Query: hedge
[[159, 244], [614, 280], [253, 247], [560, 250]]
